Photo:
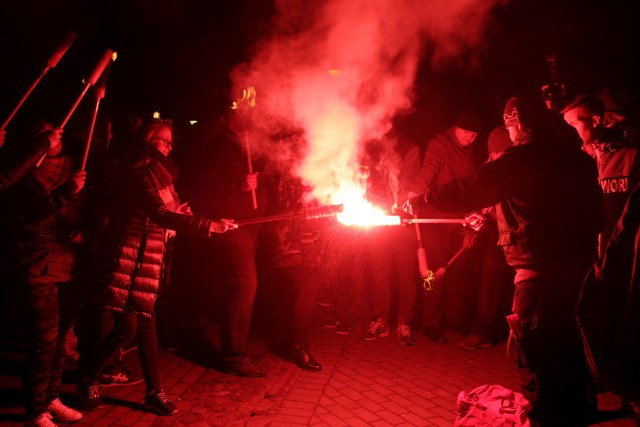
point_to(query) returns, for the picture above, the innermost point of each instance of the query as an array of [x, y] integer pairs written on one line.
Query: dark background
[[175, 56]]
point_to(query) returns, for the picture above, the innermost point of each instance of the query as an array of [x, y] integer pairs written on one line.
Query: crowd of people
[[553, 200]]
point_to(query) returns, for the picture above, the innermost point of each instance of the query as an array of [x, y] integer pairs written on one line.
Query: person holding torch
[[144, 210], [549, 213], [39, 218]]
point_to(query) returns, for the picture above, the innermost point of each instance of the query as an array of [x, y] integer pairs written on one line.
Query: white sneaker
[[43, 420], [62, 413]]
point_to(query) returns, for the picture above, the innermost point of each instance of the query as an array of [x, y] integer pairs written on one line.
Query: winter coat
[[133, 259]]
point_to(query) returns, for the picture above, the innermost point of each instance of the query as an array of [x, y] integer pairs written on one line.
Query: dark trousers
[[299, 286], [393, 250], [51, 311], [551, 358], [495, 288], [235, 255], [125, 327]]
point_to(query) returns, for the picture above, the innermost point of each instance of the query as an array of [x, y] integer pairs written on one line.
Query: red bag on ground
[[492, 405]]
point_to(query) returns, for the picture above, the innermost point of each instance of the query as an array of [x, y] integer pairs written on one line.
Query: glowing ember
[[359, 212]]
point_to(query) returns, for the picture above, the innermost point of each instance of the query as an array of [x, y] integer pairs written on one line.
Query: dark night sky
[[175, 56]]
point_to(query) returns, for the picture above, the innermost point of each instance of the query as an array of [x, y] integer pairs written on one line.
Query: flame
[[359, 212], [248, 97]]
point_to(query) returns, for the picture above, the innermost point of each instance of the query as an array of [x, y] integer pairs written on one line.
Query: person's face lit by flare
[[465, 137], [162, 139], [584, 122]]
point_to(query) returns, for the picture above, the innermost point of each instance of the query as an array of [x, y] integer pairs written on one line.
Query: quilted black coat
[[135, 239]]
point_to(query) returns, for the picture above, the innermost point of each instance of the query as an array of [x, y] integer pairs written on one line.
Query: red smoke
[[339, 70]]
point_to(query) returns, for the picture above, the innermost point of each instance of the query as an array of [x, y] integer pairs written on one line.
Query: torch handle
[[91, 127], [75, 105], [66, 119], [456, 256], [24, 98], [250, 167]]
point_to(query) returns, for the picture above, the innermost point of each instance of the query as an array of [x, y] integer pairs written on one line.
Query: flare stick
[[53, 61], [436, 221], [311, 213]]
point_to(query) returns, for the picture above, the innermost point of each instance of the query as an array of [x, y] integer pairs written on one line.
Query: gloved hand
[[476, 221], [415, 203]]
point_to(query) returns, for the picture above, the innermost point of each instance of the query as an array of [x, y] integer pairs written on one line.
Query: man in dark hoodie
[[549, 213], [449, 156]]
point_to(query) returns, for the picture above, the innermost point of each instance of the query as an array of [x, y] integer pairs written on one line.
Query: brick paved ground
[[378, 383]]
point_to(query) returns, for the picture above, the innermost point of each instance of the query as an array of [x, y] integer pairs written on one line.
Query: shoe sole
[[382, 335], [65, 420], [117, 384]]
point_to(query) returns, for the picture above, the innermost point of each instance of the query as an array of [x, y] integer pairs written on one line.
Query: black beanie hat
[[523, 109], [469, 121]]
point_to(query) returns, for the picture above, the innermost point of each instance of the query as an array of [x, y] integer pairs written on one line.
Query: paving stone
[[375, 384]]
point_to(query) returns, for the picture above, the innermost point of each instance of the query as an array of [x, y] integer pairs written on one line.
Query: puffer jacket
[[134, 251]]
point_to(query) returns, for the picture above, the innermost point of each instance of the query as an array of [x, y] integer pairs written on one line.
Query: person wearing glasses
[[144, 211]]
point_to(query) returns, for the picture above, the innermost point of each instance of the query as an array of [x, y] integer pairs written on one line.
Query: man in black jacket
[[549, 212]]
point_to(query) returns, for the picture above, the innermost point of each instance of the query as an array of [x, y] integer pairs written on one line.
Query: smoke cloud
[[336, 72]]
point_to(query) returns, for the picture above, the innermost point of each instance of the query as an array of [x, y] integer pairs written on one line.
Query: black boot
[[302, 357]]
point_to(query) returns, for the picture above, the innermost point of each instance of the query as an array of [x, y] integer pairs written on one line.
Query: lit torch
[[93, 78], [248, 99], [90, 81], [99, 91]]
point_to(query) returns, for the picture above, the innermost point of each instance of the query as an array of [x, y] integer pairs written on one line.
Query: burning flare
[[359, 212]]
